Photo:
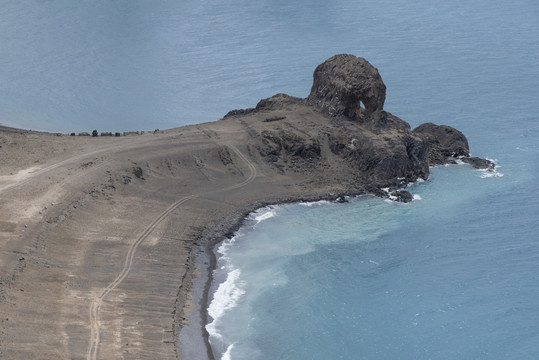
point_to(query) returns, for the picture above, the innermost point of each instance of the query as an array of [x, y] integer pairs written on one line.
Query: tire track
[[72, 160], [95, 306], [124, 145]]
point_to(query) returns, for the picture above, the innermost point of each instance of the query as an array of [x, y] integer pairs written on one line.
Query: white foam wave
[[226, 355], [392, 198], [488, 173], [225, 245], [314, 203], [484, 173], [264, 214], [226, 297]]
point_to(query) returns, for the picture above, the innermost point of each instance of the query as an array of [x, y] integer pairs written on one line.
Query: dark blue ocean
[[452, 275]]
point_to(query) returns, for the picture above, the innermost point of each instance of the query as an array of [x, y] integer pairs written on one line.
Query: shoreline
[[90, 182], [206, 263], [107, 242], [207, 259]]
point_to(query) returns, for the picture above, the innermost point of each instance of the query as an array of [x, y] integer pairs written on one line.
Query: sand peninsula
[[102, 238]]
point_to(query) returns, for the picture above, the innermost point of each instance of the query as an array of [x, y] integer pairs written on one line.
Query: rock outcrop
[[478, 163], [390, 158], [445, 142], [447, 145], [343, 83], [341, 127]]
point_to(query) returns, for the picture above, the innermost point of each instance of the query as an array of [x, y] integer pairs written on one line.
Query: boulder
[[137, 171], [401, 196], [343, 83], [478, 163], [445, 142]]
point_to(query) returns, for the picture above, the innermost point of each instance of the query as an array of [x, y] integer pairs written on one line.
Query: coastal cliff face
[[342, 127]]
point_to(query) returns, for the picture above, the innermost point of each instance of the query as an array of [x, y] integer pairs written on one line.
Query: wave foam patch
[[488, 173], [226, 355], [225, 245], [314, 203], [264, 214], [227, 296]]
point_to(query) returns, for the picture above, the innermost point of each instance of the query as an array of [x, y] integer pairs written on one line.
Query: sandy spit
[[102, 238]]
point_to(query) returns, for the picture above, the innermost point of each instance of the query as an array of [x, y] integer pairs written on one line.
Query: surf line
[[96, 303]]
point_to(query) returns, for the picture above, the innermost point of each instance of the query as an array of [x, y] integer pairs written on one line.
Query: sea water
[[451, 275], [139, 65]]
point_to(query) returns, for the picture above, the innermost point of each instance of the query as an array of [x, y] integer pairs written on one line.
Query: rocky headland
[[102, 238], [349, 133]]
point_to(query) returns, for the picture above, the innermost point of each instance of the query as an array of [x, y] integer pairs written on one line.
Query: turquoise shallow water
[[450, 275]]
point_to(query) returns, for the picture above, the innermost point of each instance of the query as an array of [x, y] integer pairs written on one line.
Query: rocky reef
[[342, 127]]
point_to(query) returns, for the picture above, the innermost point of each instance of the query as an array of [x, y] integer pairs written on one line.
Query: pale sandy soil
[[99, 236]]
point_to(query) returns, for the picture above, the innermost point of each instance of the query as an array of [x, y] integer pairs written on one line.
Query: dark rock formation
[[381, 119], [341, 200], [239, 112], [384, 160], [288, 149], [342, 83], [137, 171], [401, 196], [276, 102], [479, 163], [447, 144], [367, 149]]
